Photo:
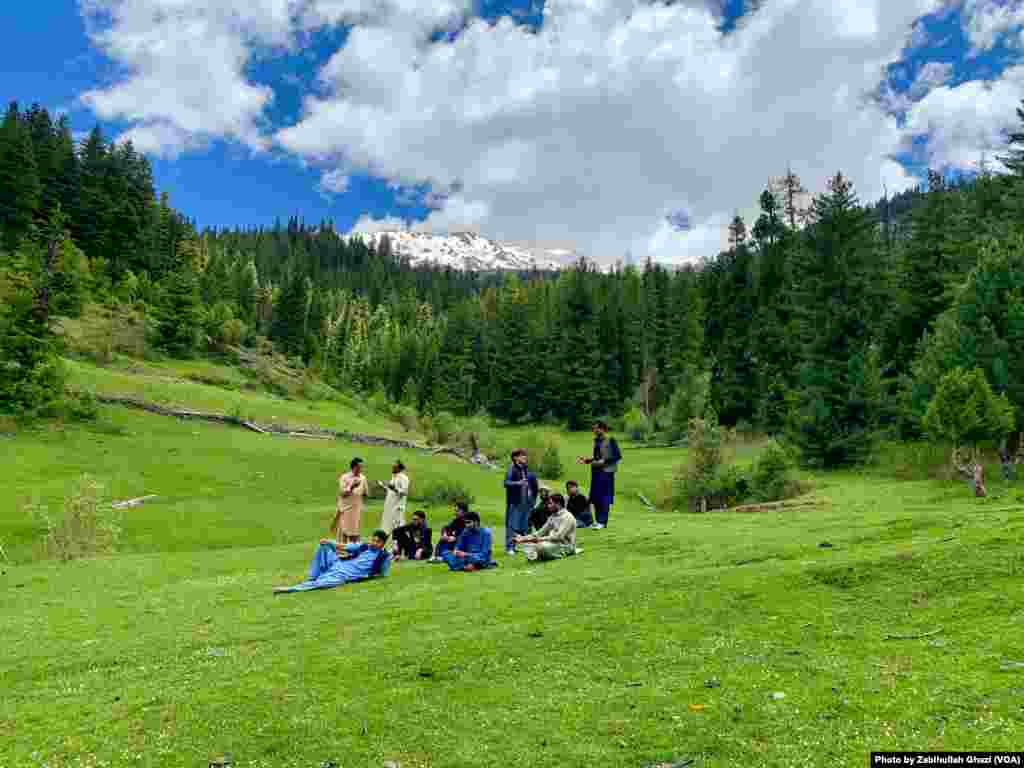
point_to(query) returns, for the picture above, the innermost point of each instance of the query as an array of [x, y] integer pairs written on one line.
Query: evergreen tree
[[179, 317], [836, 416], [19, 181]]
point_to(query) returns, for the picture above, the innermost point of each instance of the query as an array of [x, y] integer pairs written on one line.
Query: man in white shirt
[[394, 502], [557, 538]]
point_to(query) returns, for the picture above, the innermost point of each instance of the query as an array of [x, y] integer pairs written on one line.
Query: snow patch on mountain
[[468, 251]]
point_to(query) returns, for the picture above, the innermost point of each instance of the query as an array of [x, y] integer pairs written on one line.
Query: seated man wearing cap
[[473, 549], [558, 536], [335, 564]]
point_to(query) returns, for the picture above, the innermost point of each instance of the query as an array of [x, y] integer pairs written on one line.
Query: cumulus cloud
[[986, 22], [614, 114], [185, 62], [594, 128], [966, 122]]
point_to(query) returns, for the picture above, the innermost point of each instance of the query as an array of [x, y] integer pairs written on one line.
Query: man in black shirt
[[450, 533], [578, 504], [413, 541], [541, 513]]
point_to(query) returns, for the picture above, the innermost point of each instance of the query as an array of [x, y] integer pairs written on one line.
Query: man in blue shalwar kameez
[[334, 564], [473, 549]]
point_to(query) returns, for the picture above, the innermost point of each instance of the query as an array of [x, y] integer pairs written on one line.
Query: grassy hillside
[[671, 637]]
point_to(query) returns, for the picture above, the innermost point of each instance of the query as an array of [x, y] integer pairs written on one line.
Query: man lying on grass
[[335, 564], [558, 536], [473, 548]]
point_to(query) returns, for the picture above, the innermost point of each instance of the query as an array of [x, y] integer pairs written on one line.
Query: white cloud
[[185, 66], [185, 61], [369, 224], [616, 113], [589, 130], [963, 123], [333, 182], [987, 21]]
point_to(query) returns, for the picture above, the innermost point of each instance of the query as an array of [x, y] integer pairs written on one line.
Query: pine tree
[[31, 373], [835, 419], [291, 315], [19, 181], [179, 317]]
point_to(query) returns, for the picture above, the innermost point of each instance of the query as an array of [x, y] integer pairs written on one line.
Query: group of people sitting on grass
[[463, 545], [541, 524]]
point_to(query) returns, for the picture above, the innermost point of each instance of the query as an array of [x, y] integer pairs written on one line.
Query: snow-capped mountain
[[468, 251]]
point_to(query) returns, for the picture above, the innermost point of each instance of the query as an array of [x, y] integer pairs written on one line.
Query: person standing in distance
[[352, 487], [603, 464]]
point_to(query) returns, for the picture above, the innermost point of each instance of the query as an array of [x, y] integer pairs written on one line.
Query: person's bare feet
[[470, 567]]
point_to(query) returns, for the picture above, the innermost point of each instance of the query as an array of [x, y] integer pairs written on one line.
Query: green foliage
[[550, 465], [82, 406], [441, 491], [31, 372], [984, 328], [772, 478], [637, 426], [708, 479], [965, 411], [834, 422], [179, 316]]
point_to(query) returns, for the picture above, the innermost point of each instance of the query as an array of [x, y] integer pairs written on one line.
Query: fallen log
[[769, 506], [281, 429]]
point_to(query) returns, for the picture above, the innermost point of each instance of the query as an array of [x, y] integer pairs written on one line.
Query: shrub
[[81, 406], [636, 426], [773, 475], [406, 416], [88, 526], [550, 466], [442, 491], [477, 434], [444, 426], [706, 478]]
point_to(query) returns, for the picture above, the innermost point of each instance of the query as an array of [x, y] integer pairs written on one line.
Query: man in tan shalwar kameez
[[352, 487]]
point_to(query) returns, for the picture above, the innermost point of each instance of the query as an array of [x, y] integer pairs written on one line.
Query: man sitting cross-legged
[[412, 541], [335, 564], [558, 536], [450, 533], [473, 549], [579, 505]]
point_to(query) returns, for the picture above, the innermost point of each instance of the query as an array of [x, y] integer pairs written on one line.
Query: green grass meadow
[[725, 639]]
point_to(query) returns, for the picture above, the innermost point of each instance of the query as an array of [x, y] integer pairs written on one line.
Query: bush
[[443, 491], [407, 417], [477, 434], [81, 406], [550, 466], [772, 478], [88, 527], [443, 428], [636, 425]]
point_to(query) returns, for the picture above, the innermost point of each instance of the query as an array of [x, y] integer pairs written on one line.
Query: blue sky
[[227, 162]]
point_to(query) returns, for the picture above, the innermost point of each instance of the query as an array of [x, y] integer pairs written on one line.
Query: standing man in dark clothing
[[603, 464], [413, 541], [578, 504], [451, 532]]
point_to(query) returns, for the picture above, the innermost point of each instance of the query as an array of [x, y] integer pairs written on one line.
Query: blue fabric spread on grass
[[476, 543], [328, 570]]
